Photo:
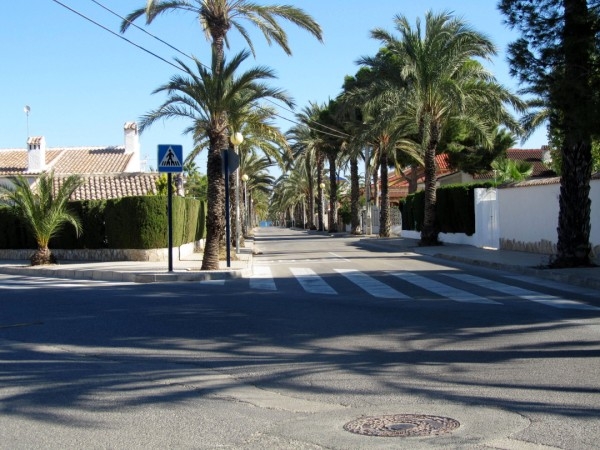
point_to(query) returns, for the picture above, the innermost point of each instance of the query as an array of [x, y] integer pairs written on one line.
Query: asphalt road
[[323, 333]]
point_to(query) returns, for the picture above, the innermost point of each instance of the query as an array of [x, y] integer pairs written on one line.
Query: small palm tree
[[42, 208], [510, 170]]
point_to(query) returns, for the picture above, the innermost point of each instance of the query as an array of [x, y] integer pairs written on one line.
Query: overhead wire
[[330, 131]]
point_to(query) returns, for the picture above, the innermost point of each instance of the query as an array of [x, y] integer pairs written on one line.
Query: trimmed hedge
[[128, 222], [455, 209], [13, 234]]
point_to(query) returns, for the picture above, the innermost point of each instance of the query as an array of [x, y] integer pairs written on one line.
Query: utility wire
[[116, 34], [106, 8], [332, 132]]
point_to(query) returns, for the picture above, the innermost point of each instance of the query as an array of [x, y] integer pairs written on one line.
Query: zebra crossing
[[472, 288], [17, 282]]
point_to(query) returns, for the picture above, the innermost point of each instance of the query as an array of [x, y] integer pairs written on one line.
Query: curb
[[132, 277], [547, 274]]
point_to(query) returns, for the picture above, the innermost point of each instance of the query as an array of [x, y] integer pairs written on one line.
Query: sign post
[[170, 159]]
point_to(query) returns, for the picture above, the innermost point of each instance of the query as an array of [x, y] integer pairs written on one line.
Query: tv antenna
[[27, 110]]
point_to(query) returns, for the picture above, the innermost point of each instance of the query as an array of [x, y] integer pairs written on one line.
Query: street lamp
[[245, 179], [322, 224], [236, 139]]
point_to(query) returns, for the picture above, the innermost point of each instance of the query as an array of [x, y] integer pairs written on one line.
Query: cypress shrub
[[192, 215], [201, 228], [93, 236], [137, 222], [455, 209], [14, 234], [179, 219]]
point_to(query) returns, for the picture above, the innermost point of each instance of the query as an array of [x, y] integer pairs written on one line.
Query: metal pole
[[170, 218], [368, 229], [237, 209], [227, 232]]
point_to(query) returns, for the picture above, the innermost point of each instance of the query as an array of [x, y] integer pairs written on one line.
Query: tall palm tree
[[259, 180], [334, 141], [381, 95], [43, 208], [306, 144], [445, 82], [206, 96], [217, 17]]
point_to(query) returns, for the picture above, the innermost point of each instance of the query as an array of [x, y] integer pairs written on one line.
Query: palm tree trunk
[[574, 221], [574, 225], [320, 196], [311, 197], [354, 195], [332, 194], [42, 256], [429, 233], [215, 222], [384, 211], [375, 190]]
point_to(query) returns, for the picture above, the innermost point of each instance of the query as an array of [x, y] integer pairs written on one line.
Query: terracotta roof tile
[[102, 187], [80, 160], [92, 160], [15, 161]]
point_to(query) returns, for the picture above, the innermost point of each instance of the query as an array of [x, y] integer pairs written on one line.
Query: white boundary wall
[[521, 217], [528, 216]]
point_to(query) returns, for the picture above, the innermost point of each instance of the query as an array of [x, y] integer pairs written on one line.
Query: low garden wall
[[109, 254]]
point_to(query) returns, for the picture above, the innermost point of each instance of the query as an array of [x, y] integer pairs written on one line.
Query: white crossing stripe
[[549, 300], [217, 282], [458, 295], [262, 279], [19, 282], [371, 285], [311, 282]]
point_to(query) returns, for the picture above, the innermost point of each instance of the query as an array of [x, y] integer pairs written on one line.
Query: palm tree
[[444, 83], [381, 95], [510, 170], [256, 168], [207, 96], [43, 208], [306, 146], [217, 17]]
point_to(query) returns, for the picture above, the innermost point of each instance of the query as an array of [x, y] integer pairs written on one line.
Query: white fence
[[522, 217]]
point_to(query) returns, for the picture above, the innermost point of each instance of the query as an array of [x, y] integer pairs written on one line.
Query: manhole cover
[[402, 425]]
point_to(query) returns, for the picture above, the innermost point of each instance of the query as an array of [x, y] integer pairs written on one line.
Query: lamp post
[[322, 224], [236, 139], [245, 179]]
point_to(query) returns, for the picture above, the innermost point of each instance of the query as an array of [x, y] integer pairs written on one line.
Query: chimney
[[132, 146], [36, 153]]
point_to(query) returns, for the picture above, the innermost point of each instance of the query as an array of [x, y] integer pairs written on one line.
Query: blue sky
[[82, 83]]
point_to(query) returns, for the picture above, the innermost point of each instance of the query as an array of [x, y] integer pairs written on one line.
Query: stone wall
[[108, 254]]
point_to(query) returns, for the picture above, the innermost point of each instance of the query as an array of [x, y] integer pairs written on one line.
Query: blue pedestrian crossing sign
[[170, 158]]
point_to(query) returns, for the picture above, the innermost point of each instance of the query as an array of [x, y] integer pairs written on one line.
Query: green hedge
[[12, 232], [128, 222], [455, 209]]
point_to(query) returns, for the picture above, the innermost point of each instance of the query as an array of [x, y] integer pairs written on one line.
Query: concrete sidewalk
[[186, 269]]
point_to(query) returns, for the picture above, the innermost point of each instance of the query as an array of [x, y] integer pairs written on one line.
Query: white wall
[[529, 214], [521, 218], [529, 218]]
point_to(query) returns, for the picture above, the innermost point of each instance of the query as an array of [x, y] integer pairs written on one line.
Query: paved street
[[323, 332]]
